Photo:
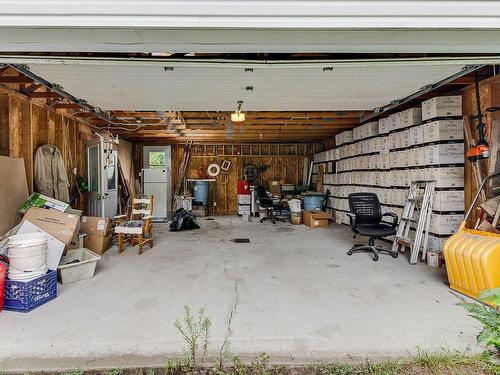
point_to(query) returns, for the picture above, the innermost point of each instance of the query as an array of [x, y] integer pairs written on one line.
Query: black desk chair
[[366, 216], [266, 202]]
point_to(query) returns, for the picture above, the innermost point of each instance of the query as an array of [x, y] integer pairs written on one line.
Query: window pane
[[111, 175], [156, 159], [93, 169]]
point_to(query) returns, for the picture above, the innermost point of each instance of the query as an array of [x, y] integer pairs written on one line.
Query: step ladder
[[402, 238]]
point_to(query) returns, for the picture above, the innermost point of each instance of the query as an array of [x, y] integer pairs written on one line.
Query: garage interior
[[307, 127]]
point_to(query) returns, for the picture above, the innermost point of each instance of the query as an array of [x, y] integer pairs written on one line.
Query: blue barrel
[[200, 192], [312, 202]]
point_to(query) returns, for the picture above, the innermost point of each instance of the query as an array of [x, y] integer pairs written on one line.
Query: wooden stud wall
[[287, 165], [25, 125], [489, 92]]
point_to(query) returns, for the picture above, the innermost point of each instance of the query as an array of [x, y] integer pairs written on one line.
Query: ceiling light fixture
[[238, 117]]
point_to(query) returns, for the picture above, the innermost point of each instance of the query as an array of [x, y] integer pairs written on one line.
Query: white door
[[102, 178]]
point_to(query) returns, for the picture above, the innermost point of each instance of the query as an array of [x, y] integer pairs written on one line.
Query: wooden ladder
[[182, 169]]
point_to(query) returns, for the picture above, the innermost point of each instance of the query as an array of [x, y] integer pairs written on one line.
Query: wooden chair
[[136, 223]]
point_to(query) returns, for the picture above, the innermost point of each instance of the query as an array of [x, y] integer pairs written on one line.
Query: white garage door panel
[[199, 88], [250, 13]]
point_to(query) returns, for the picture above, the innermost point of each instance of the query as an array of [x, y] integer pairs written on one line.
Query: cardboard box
[[451, 200], [315, 219], [97, 244], [411, 117], [243, 209], [95, 225], [445, 224], [383, 125], [443, 130], [244, 198], [445, 177], [450, 153], [61, 225], [442, 106]]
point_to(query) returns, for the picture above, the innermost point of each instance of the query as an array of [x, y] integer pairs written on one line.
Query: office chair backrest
[[366, 207], [261, 192]]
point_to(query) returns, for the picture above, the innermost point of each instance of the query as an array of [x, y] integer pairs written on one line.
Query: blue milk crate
[[24, 296]]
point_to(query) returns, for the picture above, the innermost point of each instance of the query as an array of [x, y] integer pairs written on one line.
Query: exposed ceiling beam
[[15, 79]]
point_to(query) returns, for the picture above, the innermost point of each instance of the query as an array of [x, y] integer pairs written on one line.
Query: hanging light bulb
[[238, 117]]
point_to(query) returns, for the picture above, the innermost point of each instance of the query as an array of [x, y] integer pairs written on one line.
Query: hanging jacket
[[50, 173]]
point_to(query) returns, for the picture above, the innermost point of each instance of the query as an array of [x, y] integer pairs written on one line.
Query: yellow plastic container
[[472, 261], [472, 256]]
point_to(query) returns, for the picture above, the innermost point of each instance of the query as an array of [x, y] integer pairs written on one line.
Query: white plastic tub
[[83, 269]]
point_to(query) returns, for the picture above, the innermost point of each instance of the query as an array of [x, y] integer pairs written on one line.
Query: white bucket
[[27, 255]]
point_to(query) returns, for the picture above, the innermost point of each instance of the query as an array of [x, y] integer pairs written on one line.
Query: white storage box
[[394, 121], [451, 200], [442, 106], [383, 125], [411, 117], [417, 135], [436, 243], [450, 153], [76, 265], [243, 209], [445, 177], [244, 198], [445, 224], [443, 130]]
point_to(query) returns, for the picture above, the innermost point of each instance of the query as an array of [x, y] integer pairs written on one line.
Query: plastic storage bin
[[24, 296], [70, 271]]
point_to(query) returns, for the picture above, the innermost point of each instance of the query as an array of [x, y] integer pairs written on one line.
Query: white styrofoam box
[[443, 130], [448, 153], [446, 177], [442, 106], [404, 138], [444, 223], [411, 117], [394, 121], [451, 200], [244, 198], [436, 243], [357, 133], [383, 125], [370, 129], [417, 135], [394, 140], [243, 209], [384, 144]]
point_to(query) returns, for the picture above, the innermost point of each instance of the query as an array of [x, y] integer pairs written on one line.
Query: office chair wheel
[[349, 252], [395, 255], [375, 258], [261, 220]]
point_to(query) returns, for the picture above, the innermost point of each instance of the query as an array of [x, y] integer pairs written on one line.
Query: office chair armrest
[[352, 220], [394, 218]]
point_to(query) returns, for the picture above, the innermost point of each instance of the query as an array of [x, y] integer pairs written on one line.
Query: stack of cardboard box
[[97, 233]]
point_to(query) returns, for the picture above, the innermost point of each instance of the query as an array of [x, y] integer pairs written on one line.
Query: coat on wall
[[50, 173]]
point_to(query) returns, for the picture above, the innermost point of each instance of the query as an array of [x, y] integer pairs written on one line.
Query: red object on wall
[[2, 283], [243, 187]]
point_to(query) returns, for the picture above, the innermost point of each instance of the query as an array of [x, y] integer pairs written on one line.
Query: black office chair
[[266, 202], [366, 216]]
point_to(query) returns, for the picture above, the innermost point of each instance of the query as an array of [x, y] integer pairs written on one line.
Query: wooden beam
[[66, 106], [45, 94], [31, 88], [15, 79], [3, 69]]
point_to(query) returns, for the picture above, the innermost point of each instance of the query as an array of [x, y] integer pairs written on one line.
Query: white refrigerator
[[155, 182]]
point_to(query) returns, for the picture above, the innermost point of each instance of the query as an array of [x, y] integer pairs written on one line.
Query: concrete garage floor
[[292, 291]]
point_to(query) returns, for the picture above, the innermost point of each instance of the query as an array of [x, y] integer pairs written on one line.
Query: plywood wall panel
[[286, 167]]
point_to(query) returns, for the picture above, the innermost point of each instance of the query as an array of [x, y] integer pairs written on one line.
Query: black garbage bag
[[183, 220]]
